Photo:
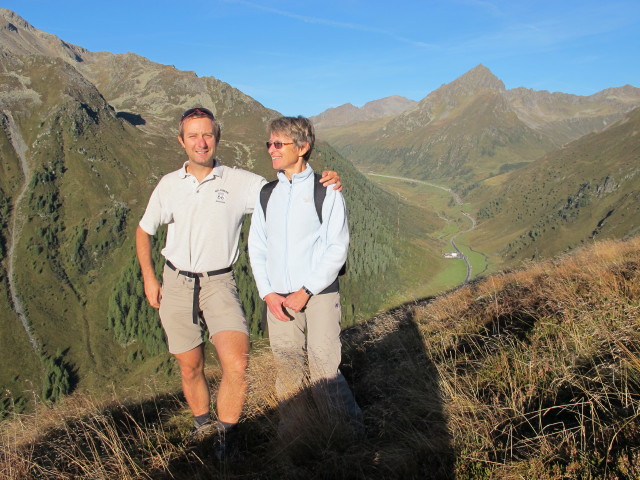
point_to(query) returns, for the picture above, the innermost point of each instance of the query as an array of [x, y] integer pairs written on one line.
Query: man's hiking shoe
[[199, 433], [226, 444]]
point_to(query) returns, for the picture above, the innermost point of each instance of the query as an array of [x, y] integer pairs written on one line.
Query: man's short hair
[[299, 129], [200, 112]]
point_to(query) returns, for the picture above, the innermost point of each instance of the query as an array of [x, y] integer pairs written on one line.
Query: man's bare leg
[[194, 383], [233, 351]]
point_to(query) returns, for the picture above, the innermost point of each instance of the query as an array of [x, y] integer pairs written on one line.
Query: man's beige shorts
[[219, 304]]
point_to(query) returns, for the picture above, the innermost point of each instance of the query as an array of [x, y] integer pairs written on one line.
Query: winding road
[[458, 201]]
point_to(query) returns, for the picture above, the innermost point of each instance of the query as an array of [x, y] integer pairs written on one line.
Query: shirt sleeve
[[253, 192], [154, 215]]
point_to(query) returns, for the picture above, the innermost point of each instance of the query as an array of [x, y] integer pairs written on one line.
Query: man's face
[[288, 157], [198, 141]]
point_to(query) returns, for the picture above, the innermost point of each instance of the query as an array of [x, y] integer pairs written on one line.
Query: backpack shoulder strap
[[319, 192], [265, 193]]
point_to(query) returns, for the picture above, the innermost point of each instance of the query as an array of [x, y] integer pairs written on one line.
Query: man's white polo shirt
[[204, 219]]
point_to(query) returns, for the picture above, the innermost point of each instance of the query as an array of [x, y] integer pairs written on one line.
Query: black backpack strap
[[265, 193], [319, 192]]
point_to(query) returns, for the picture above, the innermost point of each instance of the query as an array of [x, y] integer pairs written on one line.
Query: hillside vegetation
[[531, 373], [587, 190]]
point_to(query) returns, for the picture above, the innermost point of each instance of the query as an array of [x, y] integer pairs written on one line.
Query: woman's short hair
[[299, 129]]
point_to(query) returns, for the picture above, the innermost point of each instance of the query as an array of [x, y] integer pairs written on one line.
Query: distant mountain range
[[348, 114], [473, 128], [542, 172]]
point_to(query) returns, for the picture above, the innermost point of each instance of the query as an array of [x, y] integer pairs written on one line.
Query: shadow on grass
[[391, 377], [397, 387]]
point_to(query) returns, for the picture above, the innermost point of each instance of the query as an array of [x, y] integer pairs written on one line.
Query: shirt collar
[[297, 177], [217, 171]]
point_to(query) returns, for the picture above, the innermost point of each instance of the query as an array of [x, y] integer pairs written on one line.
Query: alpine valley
[[539, 173], [85, 136]]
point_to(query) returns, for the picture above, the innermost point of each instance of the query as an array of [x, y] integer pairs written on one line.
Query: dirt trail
[[17, 222]]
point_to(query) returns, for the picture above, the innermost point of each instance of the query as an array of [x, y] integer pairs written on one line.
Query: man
[[296, 258], [203, 204]]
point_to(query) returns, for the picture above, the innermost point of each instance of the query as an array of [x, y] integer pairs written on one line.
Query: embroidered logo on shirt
[[221, 196]]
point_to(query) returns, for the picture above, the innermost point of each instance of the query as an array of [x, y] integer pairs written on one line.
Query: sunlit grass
[[532, 373]]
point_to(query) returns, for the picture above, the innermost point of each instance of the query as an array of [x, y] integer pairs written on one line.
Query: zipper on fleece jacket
[[287, 235]]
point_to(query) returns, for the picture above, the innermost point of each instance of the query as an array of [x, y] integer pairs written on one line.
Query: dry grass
[[533, 373], [540, 367]]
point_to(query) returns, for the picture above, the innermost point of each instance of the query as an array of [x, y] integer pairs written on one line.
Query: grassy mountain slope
[[72, 220], [20, 360], [587, 190], [533, 373]]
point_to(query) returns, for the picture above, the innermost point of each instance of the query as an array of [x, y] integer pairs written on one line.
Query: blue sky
[[302, 57]]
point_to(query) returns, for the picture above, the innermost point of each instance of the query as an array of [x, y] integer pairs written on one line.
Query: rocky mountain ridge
[[473, 127], [148, 95], [348, 114], [21, 38]]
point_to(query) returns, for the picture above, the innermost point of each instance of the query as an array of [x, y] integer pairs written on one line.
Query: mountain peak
[[624, 93], [450, 97], [21, 38], [476, 79], [14, 19], [387, 106]]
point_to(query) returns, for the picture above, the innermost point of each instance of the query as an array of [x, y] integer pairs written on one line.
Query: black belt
[[199, 275], [196, 286]]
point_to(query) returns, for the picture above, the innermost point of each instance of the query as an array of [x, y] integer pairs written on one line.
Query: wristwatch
[[307, 291]]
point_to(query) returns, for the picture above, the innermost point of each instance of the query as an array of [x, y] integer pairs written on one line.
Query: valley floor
[[447, 219]]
